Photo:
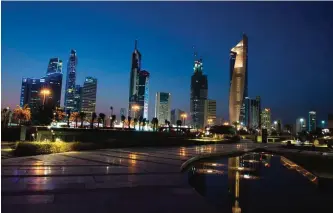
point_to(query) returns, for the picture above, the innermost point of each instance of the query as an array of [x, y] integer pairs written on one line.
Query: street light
[[45, 92], [301, 121], [184, 116], [135, 108], [209, 121]]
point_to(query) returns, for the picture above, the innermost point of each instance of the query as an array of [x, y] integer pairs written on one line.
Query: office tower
[[300, 125], [176, 114], [210, 112], [54, 66], [53, 82], [31, 93], [77, 98], [134, 80], [143, 94], [238, 80], [252, 113], [266, 119], [70, 81], [162, 107], [312, 121], [123, 112], [89, 91], [199, 93]]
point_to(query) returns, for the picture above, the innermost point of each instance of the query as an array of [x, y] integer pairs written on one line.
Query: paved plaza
[[144, 179]]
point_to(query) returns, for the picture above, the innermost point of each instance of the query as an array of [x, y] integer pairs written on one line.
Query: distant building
[[162, 107], [69, 102], [252, 113], [78, 98], [300, 125], [89, 92], [54, 66], [238, 80], [176, 115], [210, 112], [53, 82], [30, 93], [312, 125], [199, 93], [266, 119], [143, 93], [134, 79]]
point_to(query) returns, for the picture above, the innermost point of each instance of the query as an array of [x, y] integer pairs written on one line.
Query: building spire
[[194, 53]]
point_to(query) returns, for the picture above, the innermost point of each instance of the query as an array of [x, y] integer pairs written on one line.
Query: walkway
[[112, 180]]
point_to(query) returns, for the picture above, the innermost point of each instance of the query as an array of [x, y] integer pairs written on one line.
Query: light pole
[[45, 92], [184, 116], [323, 124], [301, 122]]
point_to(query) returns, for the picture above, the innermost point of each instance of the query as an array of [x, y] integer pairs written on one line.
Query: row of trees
[[20, 115]]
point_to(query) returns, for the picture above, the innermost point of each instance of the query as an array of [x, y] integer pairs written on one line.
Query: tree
[[179, 124], [140, 121], [68, 116], [113, 119], [129, 118], [102, 117], [135, 122], [5, 116], [75, 116], [82, 117], [154, 122], [111, 108], [123, 118], [93, 117], [22, 114], [60, 114], [143, 123]]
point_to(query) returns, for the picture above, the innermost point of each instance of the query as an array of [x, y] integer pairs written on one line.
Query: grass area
[[40, 148]]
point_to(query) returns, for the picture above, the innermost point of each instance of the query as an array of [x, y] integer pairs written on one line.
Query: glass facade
[[78, 98], [143, 93], [30, 93], [69, 102], [238, 81], [89, 92], [312, 121], [266, 119], [163, 107]]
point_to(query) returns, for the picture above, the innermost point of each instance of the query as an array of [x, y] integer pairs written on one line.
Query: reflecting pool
[[259, 182]]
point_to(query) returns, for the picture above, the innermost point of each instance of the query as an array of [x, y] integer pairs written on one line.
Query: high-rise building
[[199, 93], [312, 121], [134, 79], [252, 113], [53, 81], [70, 81], [30, 93], [300, 125], [123, 112], [238, 80], [162, 107], [89, 92], [266, 119], [77, 98], [176, 114], [210, 112], [54, 66], [143, 93]]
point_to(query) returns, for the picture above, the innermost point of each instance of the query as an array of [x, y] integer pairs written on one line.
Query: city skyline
[[284, 79]]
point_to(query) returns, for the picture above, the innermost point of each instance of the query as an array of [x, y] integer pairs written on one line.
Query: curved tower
[[70, 82], [238, 80]]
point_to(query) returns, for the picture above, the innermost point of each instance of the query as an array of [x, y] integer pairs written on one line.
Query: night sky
[[290, 49]]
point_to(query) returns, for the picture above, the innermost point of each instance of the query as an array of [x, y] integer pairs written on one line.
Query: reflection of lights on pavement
[[214, 164], [209, 171], [246, 176]]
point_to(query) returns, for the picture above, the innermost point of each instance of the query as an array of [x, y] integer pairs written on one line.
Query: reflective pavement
[[144, 179]]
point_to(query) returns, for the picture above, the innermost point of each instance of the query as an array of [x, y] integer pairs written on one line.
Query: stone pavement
[[143, 179]]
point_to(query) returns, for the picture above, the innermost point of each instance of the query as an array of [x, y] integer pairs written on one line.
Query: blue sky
[[290, 49]]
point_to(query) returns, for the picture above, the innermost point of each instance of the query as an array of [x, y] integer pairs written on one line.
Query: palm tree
[[111, 108], [102, 117], [129, 118], [6, 113], [178, 123], [135, 122], [75, 117], [113, 119], [68, 116], [143, 123], [154, 121], [82, 117], [235, 123], [123, 118], [22, 114], [93, 117], [140, 121]]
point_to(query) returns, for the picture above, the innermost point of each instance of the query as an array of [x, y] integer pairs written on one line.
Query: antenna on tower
[[194, 53]]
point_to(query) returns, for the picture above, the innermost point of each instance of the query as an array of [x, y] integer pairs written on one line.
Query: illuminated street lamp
[[301, 122], [322, 124], [184, 116], [135, 108], [45, 92], [209, 121]]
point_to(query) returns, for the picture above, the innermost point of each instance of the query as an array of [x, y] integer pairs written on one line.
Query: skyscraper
[[53, 82], [199, 93], [238, 80], [210, 112], [312, 121], [252, 113], [30, 93], [266, 119], [54, 66], [77, 98], [163, 107], [70, 81], [134, 79], [143, 93], [300, 125], [176, 115], [89, 92]]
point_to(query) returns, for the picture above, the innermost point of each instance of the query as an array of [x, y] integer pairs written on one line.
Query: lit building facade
[[134, 80], [89, 92], [210, 112], [199, 93], [69, 101], [53, 82], [30, 93], [266, 119], [238, 80], [176, 115], [300, 125], [312, 125], [252, 117], [163, 107], [77, 98], [143, 93]]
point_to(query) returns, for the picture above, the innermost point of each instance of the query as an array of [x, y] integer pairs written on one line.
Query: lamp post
[[184, 116], [135, 108], [323, 124], [301, 122], [45, 92], [209, 121]]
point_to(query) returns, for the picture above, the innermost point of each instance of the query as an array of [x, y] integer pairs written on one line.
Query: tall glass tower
[[69, 102], [134, 79], [143, 93], [238, 81], [199, 93], [53, 81]]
